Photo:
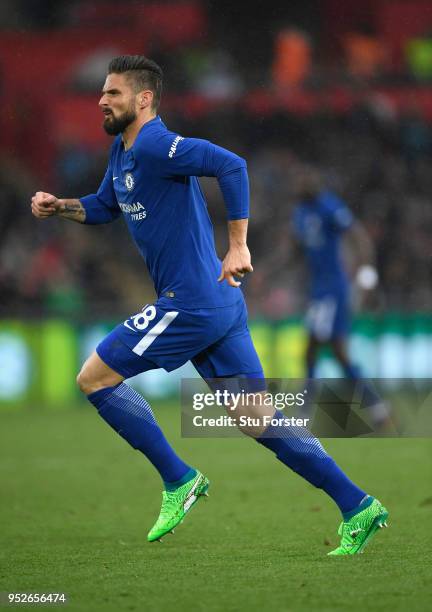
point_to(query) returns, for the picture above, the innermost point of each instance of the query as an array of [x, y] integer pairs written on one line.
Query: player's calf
[[131, 416], [297, 448]]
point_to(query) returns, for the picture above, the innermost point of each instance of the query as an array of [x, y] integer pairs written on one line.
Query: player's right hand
[[44, 205], [237, 263]]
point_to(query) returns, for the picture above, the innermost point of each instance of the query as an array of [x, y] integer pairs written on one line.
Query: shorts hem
[[112, 365]]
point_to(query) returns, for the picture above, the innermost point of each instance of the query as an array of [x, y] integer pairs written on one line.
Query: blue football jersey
[[319, 225], [154, 186]]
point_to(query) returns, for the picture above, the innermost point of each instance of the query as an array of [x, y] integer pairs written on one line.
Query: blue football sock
[[298, 449], [128, 413], [365, 503]]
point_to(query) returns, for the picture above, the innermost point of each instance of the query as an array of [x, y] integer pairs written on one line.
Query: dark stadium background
[[344, 86]]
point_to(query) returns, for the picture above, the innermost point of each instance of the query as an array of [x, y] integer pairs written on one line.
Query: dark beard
[[117, 125]]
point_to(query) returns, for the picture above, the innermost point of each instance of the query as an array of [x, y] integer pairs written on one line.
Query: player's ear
[[145, 98]]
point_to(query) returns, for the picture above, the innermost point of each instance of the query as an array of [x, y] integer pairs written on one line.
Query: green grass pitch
[[77, 503]]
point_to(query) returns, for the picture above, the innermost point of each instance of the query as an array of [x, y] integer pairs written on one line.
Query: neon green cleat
[[359, 530], [175, 504]]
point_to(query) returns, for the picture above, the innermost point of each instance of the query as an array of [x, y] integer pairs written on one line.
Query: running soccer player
[[200, 313], [320, 221]]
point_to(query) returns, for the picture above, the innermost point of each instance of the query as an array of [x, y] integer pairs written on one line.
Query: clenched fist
[[44, 205]]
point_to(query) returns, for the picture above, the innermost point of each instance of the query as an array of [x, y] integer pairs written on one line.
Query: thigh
[[234, 354], [157, 337]]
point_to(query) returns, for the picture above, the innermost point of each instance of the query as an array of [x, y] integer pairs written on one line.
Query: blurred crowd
[[372, 151]]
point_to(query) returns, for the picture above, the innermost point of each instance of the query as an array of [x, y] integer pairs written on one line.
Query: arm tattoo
[[74, 210]]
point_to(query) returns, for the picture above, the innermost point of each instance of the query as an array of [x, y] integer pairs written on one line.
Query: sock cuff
[[189, 474], [98, 398], [365, 503], [270, 430]]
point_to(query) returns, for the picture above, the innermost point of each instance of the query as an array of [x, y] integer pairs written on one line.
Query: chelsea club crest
[[129, 181]]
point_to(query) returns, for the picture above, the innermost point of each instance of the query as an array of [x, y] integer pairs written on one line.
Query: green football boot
[[175, 504], [359, 530]]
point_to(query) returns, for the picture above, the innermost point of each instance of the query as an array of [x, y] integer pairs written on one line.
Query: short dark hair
[[144, 73]]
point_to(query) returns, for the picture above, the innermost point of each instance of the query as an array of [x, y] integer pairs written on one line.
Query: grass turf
[[77, 504]]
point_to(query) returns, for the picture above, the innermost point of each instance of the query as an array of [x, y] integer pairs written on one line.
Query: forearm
[[91, 209], [237, 233], [72, 209], [97, 211], [237, 261], [232, 176], [235, 190]]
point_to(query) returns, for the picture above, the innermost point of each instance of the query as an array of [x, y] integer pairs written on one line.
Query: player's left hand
[[237, 263]]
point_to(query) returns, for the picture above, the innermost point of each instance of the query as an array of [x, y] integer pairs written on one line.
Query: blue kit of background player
[[320, 220], [319, 223]]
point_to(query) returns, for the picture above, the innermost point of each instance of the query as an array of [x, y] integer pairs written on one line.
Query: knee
[[88, 383], [253, 415], [96, 375]]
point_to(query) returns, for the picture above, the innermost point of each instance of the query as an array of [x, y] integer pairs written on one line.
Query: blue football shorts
[[328, 317], [216, 340]]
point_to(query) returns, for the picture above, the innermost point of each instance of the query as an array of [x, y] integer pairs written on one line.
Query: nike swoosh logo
[[115, 177], [188, 503], [191, 496]]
